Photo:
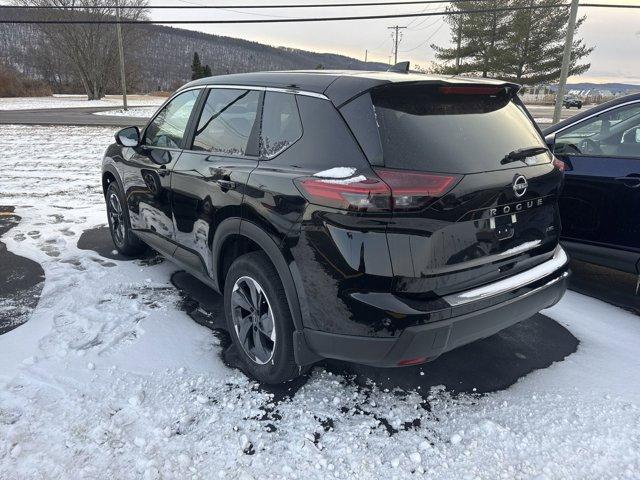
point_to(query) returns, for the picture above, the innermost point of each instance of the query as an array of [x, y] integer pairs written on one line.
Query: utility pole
[[566, 60], [123, 79], [366, 52], [396, 28], [458, 43]]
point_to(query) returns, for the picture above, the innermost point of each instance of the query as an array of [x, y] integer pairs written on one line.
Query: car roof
[[588, 113], [338, 85]]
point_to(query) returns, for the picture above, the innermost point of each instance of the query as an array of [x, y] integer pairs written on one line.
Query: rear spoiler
[[345, 89]]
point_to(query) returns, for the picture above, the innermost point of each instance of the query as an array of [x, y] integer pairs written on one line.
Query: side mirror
[[128, 137], [550, 140]]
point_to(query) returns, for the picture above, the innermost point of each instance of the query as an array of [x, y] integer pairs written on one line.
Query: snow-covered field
[[70, 101], [141, 112], [110, 379]]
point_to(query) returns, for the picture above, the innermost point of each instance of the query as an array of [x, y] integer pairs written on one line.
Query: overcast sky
[[614, 33]]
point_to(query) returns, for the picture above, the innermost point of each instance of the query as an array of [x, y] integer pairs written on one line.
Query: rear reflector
[[471, 90], [412, 361], [392, 190]]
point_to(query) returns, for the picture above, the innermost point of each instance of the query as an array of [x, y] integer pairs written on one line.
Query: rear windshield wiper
[[522, 154]]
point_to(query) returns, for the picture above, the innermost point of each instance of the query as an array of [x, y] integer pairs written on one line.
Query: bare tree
[[91, 49]]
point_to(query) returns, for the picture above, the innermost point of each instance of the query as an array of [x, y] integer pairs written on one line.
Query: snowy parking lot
[[75, 101], [110, 378]]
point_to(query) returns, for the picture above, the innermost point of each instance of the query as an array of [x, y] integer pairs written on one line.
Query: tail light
[[361, 195], [415, 190], [392, 190]]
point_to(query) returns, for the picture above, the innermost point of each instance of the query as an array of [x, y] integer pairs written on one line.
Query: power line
[[192, 5], [316, 19], [428, 38], [417, 22], [195, 6], [199, 5], [291, 20], [419, 25]]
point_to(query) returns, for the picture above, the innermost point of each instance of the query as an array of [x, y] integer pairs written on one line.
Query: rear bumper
[[430, 340]]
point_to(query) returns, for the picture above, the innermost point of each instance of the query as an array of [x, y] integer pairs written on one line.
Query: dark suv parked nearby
[[376, 217], [568, 101], [600, 202]]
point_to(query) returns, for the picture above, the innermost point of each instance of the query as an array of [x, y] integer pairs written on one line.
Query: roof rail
[[400, 67]]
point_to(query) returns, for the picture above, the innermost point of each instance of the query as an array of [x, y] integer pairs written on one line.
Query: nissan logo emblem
[[520, 185]]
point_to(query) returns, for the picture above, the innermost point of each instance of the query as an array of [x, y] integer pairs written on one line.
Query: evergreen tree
[[522, 45], [535, 45], [196, 67], [206, 72], [478, 38]]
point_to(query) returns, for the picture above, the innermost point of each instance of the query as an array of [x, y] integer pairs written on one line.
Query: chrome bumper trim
[[558, 260]]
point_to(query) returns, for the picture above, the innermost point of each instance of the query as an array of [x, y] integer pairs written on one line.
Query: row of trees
[[523, 45], [89, 50], [157, 57]]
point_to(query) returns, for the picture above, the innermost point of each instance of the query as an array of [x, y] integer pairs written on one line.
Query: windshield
[[421, 128]]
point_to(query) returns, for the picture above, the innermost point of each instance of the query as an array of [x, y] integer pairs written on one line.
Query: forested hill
[[167, 52], [160, 57]]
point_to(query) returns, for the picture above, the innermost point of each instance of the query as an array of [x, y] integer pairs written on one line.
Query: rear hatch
[[473, 200]]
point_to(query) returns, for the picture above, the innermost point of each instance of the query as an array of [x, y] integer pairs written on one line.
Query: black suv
[[568, 101], [377, 217]]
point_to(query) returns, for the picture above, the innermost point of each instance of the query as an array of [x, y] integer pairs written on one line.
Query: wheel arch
[[232, 230], [110, 175]]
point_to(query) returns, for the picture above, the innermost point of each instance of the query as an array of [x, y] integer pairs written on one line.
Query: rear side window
[[447, 130], [227, 121], [281, 125]]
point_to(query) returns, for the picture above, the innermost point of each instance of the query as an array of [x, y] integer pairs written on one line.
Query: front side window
[[227, 122], [281, 126], [611, 133], [168, 127]]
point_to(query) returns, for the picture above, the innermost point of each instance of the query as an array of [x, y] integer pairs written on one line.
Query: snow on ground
[[110, 379], [543, 120], [141, 112], [70, 101]]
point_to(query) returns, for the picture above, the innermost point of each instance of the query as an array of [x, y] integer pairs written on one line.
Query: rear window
[[422, 128]]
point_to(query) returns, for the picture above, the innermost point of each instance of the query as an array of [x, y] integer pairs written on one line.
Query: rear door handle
[[226, 184], [630, 181]]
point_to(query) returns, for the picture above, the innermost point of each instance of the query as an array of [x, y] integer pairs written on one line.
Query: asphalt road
[[84, 116], [543, 114], [21, 279]]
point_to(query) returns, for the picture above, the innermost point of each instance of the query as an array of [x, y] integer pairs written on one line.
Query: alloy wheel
[[117, 218], [253, 320]]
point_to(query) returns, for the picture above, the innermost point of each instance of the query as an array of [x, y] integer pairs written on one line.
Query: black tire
[[123, 238], [280, 366]]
